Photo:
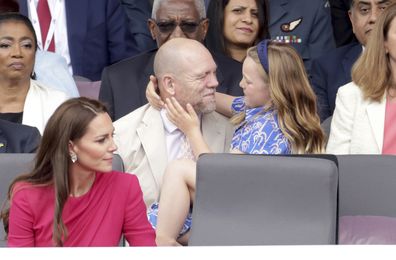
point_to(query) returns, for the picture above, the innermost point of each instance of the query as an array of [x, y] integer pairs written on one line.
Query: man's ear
[[168, 83], [151, 26], [204, 28]]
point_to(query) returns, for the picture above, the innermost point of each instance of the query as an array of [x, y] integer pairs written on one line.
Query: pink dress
[[389, 145], [112, 207]]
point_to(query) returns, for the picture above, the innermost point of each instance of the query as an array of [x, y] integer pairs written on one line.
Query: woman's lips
[[17, 65]]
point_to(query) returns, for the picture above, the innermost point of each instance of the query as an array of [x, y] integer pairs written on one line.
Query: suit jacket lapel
[[144, 79], [213, 132], [152, 136], [376, 116], [350, 58], [277, 10]]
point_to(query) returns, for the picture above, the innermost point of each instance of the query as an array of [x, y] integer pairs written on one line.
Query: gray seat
[[367, 192], [265, 200], [367, 185], [118, 165], [11, 165]]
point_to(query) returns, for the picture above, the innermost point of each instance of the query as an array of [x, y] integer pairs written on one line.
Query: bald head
[[173, 55], [184, 67]]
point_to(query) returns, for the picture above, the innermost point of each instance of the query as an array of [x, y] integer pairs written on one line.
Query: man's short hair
[[199, 4]]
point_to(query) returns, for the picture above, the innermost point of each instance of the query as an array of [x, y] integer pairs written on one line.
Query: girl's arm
[[223, 104], [189, 123]]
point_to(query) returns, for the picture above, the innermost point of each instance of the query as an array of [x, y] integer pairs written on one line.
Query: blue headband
[[262, 49]]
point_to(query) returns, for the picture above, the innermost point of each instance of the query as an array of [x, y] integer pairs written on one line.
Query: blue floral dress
[[259, 133]]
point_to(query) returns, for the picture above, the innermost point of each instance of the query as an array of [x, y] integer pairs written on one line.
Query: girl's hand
[[187, 121], [151, 94]]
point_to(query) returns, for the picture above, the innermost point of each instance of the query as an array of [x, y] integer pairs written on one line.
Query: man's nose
[[213, 83], [177, 33]]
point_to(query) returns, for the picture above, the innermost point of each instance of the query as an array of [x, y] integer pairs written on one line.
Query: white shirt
[[61, 39], [174, 138]]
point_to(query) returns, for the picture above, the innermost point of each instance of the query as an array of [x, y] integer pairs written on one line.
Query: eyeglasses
[[168, 27]]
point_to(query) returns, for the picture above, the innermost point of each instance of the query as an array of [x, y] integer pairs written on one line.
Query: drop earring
[[73, 157]]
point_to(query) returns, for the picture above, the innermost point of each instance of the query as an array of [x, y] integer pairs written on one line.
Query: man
[[89, 34], [342, 26], [124, 84], [18, 138], [305, 24], [147, 140], [333, 70]]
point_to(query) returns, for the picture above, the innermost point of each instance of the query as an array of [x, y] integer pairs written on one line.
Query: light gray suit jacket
[[140, 137], [357, 126]]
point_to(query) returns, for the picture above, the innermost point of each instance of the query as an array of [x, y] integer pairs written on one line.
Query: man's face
[[197, 84], [178, 18], [364, 14]]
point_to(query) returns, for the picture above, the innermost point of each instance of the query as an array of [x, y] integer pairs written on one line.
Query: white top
[[40, 104]]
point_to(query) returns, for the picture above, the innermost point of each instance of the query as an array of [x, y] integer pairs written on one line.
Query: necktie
[[44, 16], [186, 151]]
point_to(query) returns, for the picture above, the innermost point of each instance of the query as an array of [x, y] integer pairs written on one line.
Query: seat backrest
[[367, 192], [89, 89], [367, 185], [118, 165], [264, 200], [11, 165]]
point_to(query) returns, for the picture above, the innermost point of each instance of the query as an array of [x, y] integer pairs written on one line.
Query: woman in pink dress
[[72, 197]]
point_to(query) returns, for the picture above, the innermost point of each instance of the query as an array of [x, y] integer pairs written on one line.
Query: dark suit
[[310, 32], [342, 27], [18, 138], [97, 35], [138, 12], [331, 71], [124, 83]]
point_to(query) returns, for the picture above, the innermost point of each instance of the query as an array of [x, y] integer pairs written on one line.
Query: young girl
[[277, 115]]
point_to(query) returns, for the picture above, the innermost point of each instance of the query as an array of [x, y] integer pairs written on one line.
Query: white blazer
[[357, 126], [141, 141], [40, 104]]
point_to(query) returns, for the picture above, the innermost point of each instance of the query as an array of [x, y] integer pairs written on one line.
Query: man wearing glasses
[[124, 83]]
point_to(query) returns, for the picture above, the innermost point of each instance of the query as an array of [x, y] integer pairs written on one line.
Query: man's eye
[[4, 45], [166, 26], [364, 10]]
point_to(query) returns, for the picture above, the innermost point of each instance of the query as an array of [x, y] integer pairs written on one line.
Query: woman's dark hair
[[17, 17], [9, 6], [68, 123], [215, 40]]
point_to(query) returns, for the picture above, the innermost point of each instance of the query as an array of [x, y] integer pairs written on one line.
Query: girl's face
[[254, 86], [241, 23]]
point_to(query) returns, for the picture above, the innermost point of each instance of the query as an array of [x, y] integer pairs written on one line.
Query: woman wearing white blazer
[[366, 108], [22, 100]]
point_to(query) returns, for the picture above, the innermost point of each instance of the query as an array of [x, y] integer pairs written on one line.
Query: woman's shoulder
[[118, 179], [350, 89], [25, 190], [42, 89]]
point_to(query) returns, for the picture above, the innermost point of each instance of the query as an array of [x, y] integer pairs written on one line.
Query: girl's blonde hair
[[291, 97]]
